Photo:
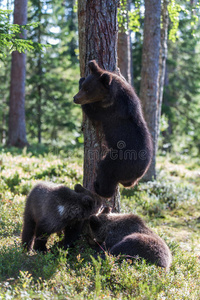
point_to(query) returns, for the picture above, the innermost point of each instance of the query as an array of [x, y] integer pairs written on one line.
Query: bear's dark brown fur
[[108, 98], [52, 208], [127, 234]]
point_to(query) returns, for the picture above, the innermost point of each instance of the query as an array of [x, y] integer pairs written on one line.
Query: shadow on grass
[[13, 261]]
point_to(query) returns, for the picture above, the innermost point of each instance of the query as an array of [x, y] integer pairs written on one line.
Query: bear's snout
[[80, 99], [75, 99]]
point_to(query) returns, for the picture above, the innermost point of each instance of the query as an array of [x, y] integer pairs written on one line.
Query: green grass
[[170, 205]]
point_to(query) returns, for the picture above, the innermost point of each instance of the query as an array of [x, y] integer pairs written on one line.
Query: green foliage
[[175, 188], [10, 36], [155, 198], [52, 77], [174, 10], [134, 20], [129, 19], [180, 103]]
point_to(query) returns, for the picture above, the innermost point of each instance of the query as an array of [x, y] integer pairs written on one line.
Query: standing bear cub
[[51, 208], [108, 98], [127, 234]]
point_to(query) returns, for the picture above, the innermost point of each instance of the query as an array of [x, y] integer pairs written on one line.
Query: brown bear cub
[[109, 99], [127, 234], [52, 208]]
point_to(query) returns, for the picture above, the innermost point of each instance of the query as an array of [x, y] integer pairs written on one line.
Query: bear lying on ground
[[127, 234], [53, 208], [108, 98]]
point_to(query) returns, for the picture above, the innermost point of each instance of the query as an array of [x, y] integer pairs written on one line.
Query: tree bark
[[17, 125], [39, 87], [97, 21], [124, 46], [162, 59], [124, 55], [150, 74]]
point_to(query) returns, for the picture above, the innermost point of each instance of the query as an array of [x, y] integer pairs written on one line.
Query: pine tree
[[17, 125], [150, 74], [97, 26]]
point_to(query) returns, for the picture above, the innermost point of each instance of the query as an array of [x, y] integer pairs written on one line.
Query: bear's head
[[97, 227], [88, 205], [95, 87], [89, 200]]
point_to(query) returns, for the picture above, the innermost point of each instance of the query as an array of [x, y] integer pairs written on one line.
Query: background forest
[[170, 204], [52, 76]]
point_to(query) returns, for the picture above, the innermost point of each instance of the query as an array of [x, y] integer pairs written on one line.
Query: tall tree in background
[[149, 88], [97, 40], [4, 90], [124, 42], [72, 23], [163, 57], [17, 125]]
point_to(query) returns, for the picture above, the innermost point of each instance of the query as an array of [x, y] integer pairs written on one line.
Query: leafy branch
[[10, 39]]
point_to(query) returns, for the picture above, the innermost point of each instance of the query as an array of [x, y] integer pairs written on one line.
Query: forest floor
[[170, 206]]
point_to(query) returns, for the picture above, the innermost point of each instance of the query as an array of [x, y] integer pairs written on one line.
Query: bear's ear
[[94, 68], [94, 222], [87, 202], [78, 188], [105, 79], [82, 79], [106, 210]]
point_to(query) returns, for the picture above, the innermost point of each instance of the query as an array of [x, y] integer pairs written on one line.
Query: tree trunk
[[39, 100], [124, 55], [97, 21], [163, 58], [124, 45], [72, 27], [150, 74], [39, 87], [17, 125]]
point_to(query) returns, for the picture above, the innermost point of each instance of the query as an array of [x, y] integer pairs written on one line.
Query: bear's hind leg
[[151, 248], [28, 232], [106, 183]]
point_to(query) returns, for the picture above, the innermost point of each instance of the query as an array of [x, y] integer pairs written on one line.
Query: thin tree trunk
[[39, 100], [150, 74], [97, 21], [163, 58], [124, 46], [17, 125], [72, 28]]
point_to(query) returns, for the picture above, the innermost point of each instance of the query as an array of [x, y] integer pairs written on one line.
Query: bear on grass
[[127, 234], [52, 208], [109, 99]]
